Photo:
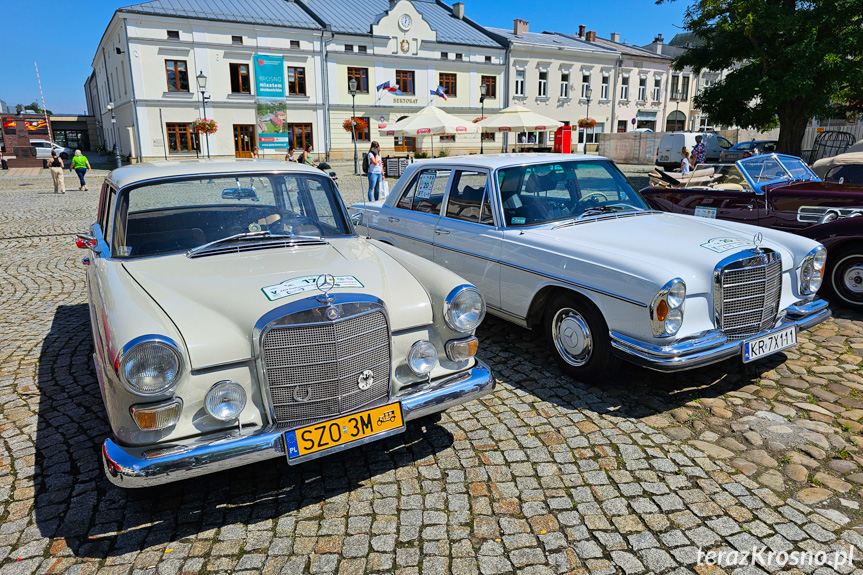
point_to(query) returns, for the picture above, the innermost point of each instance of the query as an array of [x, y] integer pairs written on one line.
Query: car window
[[426, 192], [468, 198], [764, 169], [797, 168], [769, 147], [723, 143], [744, 146], [845, 175], [178, 215]]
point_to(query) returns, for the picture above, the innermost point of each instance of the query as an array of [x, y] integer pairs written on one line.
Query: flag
[[384, 86], [394, 90], [439, 92]]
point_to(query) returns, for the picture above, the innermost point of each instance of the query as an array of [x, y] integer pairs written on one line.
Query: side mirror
[[240, 194], [87, 242], [357, 218]]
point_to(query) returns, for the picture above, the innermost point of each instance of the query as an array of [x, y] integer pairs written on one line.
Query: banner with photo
[[272, 125], [270, 76]]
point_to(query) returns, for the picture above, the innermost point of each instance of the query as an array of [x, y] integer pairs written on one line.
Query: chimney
[[615, 37], [658, 39], [458, 10], [591, 36], [581, 31], [520, 26]]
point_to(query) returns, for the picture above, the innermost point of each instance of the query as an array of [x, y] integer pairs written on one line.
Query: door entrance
[[244, 137], [405, 144]]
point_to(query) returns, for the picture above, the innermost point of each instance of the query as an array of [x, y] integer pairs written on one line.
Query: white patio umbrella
[[517, 119], [431, 121]]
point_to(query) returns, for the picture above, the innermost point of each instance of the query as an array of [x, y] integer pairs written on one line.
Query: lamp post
[[676, 95], [587, 93], [483, 89], [202, 87], [352, 90], [110, 108]]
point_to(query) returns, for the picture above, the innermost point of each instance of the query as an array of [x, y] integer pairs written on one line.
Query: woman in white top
[[685, 168], [376, 171]]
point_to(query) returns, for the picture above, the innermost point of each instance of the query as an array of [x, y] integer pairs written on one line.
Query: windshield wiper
[[596, 210], [251, 236]]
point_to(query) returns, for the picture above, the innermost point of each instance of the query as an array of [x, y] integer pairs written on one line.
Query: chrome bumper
[[710, 347], [131, 467]]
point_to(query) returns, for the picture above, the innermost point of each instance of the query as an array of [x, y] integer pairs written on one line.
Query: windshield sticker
[[516, 221], [424, 189], [306, 283], [720, 245], [705, 212]]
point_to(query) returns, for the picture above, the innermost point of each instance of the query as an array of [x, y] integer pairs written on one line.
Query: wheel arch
[[537, 308]]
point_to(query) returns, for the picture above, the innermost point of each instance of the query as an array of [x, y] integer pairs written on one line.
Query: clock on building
[[405, 22]]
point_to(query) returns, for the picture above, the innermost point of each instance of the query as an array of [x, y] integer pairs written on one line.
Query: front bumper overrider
[[712, 346], [131, 467]]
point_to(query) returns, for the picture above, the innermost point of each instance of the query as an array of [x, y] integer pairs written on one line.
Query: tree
[[36, 108], [789, 60]]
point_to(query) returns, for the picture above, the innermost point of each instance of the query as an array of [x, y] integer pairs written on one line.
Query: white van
[[669, 156]]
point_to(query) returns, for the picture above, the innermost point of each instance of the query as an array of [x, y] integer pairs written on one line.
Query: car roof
[[135, 173], [494, 161]]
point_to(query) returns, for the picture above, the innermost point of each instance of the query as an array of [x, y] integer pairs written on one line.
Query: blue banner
[[270, 76]]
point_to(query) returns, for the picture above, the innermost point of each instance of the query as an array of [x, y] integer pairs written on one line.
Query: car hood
[[636, 255], [216, 300]]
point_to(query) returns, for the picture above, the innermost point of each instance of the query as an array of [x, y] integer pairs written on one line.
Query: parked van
[[669, 156]]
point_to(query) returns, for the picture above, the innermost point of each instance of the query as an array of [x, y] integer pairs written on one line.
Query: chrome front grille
[[312, 369], [747, 293]]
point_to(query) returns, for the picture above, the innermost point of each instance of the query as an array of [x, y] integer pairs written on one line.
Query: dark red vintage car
[[783, 193]]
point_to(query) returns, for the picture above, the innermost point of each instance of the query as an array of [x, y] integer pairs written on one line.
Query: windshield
[[717, 177], [541, 193], [178, 215], [773, 167]]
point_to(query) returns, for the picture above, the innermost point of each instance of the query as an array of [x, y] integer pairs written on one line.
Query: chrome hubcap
[[571, 337], [854, 278]]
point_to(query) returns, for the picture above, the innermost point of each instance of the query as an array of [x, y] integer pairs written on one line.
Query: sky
[[64, 45]]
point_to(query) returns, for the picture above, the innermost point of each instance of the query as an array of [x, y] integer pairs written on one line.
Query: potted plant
[[358, 122], [587, 123], [205, 126]]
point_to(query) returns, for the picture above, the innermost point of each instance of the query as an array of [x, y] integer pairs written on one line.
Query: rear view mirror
[[240, 194]]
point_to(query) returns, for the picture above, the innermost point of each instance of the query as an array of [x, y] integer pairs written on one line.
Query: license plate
[[768, 344], [347, 429], [663, 158]]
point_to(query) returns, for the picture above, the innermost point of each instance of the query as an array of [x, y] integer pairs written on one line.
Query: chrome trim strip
[[204, 368], [709, 347], [128, 467]]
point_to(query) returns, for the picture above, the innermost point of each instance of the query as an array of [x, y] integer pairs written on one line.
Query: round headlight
[[673, 321], [820, 259], [676, 295], [422, 357], [225, 400], [464, 309], [150, 367]]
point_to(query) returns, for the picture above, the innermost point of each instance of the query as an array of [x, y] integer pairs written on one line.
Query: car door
[[466, 239], [410, 222], [737, 205]]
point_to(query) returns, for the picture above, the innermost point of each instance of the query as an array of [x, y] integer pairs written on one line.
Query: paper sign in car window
[[720, 245], [426, 184], [306, 283], [705, 212]]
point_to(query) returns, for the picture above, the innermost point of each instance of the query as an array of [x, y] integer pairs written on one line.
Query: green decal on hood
[[306, 283], [720, 245]]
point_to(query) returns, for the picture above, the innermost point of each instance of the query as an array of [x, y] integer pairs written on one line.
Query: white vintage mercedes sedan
[[565, 244], [237, 317]]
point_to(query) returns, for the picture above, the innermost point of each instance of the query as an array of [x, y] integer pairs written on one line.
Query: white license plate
[[765, 345], [663, 158]]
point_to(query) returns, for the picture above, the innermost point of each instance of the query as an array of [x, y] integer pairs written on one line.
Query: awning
[[643, 115]]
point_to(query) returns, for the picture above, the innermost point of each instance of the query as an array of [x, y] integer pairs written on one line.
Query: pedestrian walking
[[81, 166], [255, 153], [699, 153], [56, 166], [684, 163], [376, 171]]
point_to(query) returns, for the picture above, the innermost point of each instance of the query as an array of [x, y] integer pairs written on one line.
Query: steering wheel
[[285, 225], [594, 197]]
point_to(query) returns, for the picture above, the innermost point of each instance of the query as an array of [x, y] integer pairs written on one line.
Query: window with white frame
[[585, 83], [624, 87], [642, 88], [605, 87], [542, 87], [519, 82], [564, 84], [657, 89]]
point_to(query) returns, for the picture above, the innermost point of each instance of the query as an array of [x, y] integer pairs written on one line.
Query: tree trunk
[[792, 127]]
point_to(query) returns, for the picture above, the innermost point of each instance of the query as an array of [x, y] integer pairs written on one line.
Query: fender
[[835, 232]]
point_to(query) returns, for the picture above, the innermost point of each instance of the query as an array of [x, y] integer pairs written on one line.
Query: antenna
[[365, 212], [42, 96]]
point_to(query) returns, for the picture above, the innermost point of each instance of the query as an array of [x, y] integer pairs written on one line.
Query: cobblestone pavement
[[544, 476]]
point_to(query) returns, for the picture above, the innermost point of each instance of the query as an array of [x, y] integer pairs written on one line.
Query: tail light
[[747, 154]]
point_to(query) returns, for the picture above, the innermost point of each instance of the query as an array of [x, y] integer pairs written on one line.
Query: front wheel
[[845, 277], [64, 155], [578, 337]]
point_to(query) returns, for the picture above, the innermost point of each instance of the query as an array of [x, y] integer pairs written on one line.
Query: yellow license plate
[[347, 429]]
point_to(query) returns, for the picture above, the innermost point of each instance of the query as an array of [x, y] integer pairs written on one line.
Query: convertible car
[[565, 244], [780, 192], [237, 317]]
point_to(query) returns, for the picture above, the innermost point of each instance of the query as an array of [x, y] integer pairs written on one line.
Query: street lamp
[[110, 107], [676, 96], [202, 87], [587, 93], [352, 90], [483, 89]]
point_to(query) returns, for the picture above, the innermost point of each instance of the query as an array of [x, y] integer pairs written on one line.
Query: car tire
[[578, 337], [845, 277], [64, 155]]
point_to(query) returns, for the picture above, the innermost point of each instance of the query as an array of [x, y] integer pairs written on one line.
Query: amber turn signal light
[[462, 349], [661, 310]]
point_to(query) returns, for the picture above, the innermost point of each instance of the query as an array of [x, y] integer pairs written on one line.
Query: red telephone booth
[[563, 140]]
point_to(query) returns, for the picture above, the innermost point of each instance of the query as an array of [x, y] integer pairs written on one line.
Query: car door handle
[[441, 232], [750, 206], [391, 219]]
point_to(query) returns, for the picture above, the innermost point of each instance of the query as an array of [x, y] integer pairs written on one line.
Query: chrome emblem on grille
[[302, 394], [333, 312], [325, 283], [757, 239], [366, 379]]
